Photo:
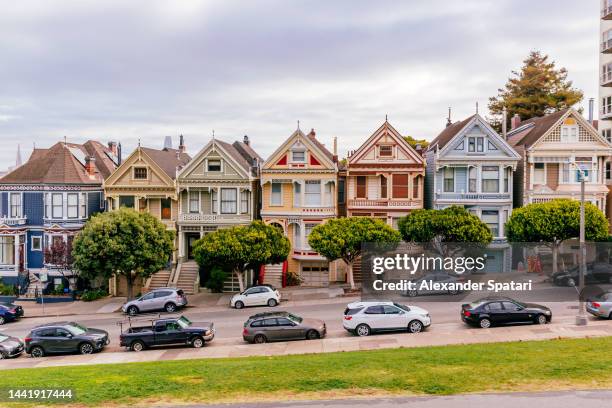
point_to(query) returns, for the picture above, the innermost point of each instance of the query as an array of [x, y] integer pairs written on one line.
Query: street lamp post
[[581, 319]]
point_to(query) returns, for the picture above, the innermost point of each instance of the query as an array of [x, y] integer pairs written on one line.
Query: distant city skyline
[[146, 70]]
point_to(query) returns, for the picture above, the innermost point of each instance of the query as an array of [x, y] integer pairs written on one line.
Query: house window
[[307, 230], [194, 202], [608, 171], [297, 194], [471, 144], [228, 201], [73, 205], [142, 204], [341, 186], [607, 134], [140, 173], [507, 180], [166, 208], [491, 218], [83, 205], [416, 188], [400, 185], [479, 144], [312, 190], [214, 165], [491, 146], [7, 250], [449, 180], [213, 201], [475, 144], [569, 134], [298, 156], [276, 197], [124, 201], [15, 205], [385, 151], [57, 204], [297, 236], [490, 179], [328, 194], [361, 187], [472, 182], [383, 186], [244, 201], [539, 173], [37, 243]]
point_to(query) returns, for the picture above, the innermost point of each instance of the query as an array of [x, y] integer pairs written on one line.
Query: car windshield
[[294, 318], [3, 337], [76, 329], [403, 307], [184, 322]]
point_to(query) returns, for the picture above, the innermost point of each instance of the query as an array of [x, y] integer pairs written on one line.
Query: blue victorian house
[[469, 164], [48, 199]]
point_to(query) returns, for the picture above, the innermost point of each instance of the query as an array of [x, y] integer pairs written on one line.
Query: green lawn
[[522, 366]]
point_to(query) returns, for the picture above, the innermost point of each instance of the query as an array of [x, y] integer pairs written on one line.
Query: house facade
[[299, 191], [385, 177], [48, 199], [145, 182], [552, 148], [219, 188], [470, 165]]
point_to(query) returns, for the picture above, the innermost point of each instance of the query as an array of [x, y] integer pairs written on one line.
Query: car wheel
[[2, 321], [239, 305], [485, 323], [197, 342], [37, 352], [571, 282], [2, 355], [132, 310], [541, 319], [170, 307], [415, 326], [272, 302], [86, 348], [412, 293], [260, 339], [137, 346], [312, 335], [363, 330]]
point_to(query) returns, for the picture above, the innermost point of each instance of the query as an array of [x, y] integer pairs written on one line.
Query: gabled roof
[[386, 128], [531, 130], [448, 133], [63, 163], [310, 140], [247, 152], [167, 159]]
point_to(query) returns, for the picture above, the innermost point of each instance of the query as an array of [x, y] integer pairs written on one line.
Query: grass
[[518, 366]]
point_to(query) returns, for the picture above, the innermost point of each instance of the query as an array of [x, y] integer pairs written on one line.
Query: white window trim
[[189, 193], [140, 167], [272, 195], [10, 205], [40, 240], [380, 156], [293, 151], [545, 174], [454, 179], [221, 167], [569, 127], [78, 206]]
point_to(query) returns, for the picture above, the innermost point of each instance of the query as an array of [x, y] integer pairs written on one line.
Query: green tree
[[553, 222], [241, 248], [342, 238], [123, 242], [414, 142], [538, 89], [439, 227]]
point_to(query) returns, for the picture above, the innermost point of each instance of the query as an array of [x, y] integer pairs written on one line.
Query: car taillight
[[245, 331], [595, 304], [13, 310], [27, 339], [347, 317], [467, 313]]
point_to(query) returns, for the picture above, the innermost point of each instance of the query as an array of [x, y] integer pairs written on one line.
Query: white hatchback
[[364, 318], [256, 296]]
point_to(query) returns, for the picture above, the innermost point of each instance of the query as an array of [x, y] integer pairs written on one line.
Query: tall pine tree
[[538, 89]]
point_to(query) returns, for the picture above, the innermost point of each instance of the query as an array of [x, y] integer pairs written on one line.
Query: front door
[[191, 238]]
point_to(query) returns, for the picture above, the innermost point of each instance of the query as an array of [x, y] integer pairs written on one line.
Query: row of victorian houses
[[299, 186]]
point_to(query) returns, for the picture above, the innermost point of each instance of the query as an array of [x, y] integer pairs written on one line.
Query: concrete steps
[[160, 279], [189, 273], [274, 275]]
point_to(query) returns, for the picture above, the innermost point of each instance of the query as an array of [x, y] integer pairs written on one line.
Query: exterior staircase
[[187, 277], [160, 279], [274, 275], [35, 287]]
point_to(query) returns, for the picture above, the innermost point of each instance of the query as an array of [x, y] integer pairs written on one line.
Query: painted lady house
[[47, 200], [299, 192], [219, 188], [145, 182], [469, 164]]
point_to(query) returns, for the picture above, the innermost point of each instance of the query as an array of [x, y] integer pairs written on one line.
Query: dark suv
[[65, 337]]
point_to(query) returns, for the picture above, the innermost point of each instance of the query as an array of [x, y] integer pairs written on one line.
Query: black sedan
[[596, 272], [10, 346], [64, 337], [9, 312], [499, 311]]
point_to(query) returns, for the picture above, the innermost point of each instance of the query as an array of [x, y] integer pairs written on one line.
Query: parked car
[[9, 312], [433, 279], [282, 326], [365, 318], [261, 295], [10, 346], [168, 299], [596, 272], [65, 337], [488, 312], [601, 305], [166, 332]]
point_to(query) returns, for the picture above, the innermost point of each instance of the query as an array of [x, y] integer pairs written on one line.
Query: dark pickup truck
[[166, 332]]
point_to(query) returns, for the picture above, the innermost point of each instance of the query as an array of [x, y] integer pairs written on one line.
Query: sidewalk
[[106, 305], [435, 336]]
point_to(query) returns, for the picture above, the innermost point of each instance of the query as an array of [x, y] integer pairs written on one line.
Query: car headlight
[[547, 312], [425, 316], [208, 332]]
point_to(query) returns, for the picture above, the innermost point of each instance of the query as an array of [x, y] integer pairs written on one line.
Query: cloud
[[146, 69]]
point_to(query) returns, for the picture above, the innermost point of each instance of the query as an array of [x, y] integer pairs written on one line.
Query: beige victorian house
[[145, 182]]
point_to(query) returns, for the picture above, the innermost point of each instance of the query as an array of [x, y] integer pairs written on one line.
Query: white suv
[[256, 296], [364, 318]]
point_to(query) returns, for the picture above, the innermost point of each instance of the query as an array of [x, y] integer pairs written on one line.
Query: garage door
[[315, 274]]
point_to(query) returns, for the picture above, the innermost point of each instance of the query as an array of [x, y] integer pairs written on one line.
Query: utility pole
[[581, 319]]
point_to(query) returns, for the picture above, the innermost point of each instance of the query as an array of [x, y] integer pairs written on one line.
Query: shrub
[[6, 289], [216, 279], [294, 279], [93, 294]]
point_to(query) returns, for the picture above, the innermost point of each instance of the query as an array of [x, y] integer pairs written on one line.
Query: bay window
[[73, 205], [491, 218], [194, 202], [539, 173], [166, 208], [328, 194], [57, 206], [7, 250], [490, 179], [16, 205], [83, 207], [472, 179], [383, 187], [307, 230], [244, 201], [449, 180], [276, 195], [213, 201], [400, 185], [297, 236], [416, 188], [361, 187], [312, 196], [229, 201], [297, 194]]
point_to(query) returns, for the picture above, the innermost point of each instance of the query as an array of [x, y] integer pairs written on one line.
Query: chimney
[[119, 154], [168, 142], [312, 133], [419, 149], [505, 123], [591, 103], [18, 161], [181, 146], [245, 140], [448, 119], [90, 165], [515, 122], [335, 149], [112, 146]]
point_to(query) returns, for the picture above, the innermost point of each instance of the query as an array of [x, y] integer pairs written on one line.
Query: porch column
[[16, 250], [199, 201], [238, 200], [501, 177], [218, 200], [181, 250], [478, 178]]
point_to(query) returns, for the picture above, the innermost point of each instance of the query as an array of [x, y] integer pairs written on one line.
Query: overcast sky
[[117, 70]]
